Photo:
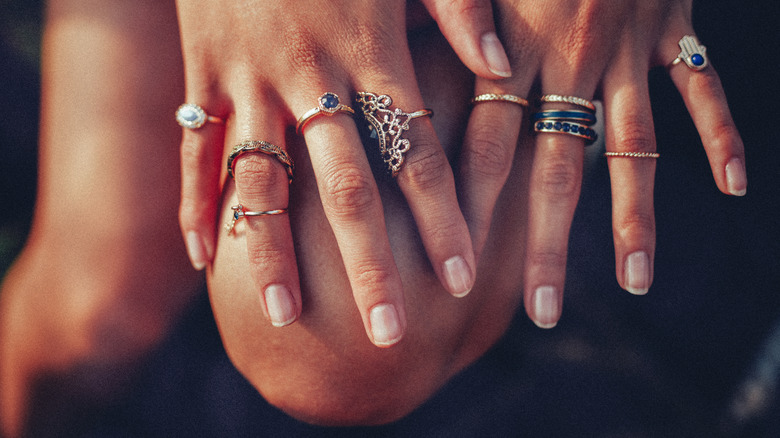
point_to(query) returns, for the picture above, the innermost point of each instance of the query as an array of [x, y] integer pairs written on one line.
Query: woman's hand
[[262, 65], [589, 49]]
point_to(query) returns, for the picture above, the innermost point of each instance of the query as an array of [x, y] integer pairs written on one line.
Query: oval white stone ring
[[192, 116]]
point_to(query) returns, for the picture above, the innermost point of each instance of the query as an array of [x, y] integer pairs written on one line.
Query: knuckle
[[371, 274], [472, 9], [371, 47], [303, 51], [425, 169], [487, 154], [254, 173], [560, 176], [194, 152], [266, 256], [635, 135], [548, 259], [348, 191], [635, 224]]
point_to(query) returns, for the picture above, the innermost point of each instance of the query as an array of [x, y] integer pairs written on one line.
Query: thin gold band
[[492, 97], [632, 154], [574, 100]]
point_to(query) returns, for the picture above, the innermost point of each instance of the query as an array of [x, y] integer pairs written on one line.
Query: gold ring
[[388, 126], [492, 97], [632, 154], [574, 100], [240, 212], [192, 116], [327, 105], [264, 147]]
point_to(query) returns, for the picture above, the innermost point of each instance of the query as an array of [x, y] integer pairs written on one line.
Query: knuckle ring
[[192, 116], [632, 154], [240, 212], [572, 122], [492, 97], [327, 105], [388, 126], [573, 100], [262, 147], [692, 53]]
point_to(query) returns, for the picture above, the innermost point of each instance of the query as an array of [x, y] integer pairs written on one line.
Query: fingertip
[[546, 310], [386, 328], [495, 56], [637, 277], [198, 250], [736, 177], [280, 305], [458, 275]]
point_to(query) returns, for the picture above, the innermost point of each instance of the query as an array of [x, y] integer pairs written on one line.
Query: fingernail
[[385, 324], [280, 305], [458, 276], [546, 311], [736, 179], [637, 273], [196, 249], [494, 54]]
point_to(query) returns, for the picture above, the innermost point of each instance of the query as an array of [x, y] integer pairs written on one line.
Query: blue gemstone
[[548, 125], [557, 126], [566, 127], [697, 60], [582, 130], [235, 215], [540, 125], [329, 100]]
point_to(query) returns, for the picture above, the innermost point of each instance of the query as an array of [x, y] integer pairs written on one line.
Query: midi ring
[[388, 126], [693, 54], [263, 147], [192, 116], [240, 212], [492, 97], [632, 154], [573, 100], [327, 105]]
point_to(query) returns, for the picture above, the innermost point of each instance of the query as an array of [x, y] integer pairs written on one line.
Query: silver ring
[[327, 105], [388, 125], [239, 212], [692, 53], [192, 116]]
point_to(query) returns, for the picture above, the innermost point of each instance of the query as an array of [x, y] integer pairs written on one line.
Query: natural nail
[[280, 305], [546, 309], [637, 273], [385, 324], [196, 249], [458, 276], [736, 179], [494, 54]]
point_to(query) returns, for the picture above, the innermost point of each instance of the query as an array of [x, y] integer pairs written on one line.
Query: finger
[[201, 153], [353, 207], [486, 159], [262, 186], [469, 27], [706, 102], [629, 128]]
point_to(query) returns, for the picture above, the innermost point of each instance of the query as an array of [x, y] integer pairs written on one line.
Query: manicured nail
[[494, 54], [458, 276], [196, 249], [736, 179], [546, 311], [637, 273], [280, 305], [385, 325]]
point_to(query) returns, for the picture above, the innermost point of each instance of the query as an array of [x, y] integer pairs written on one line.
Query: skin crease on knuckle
[[323, 369]]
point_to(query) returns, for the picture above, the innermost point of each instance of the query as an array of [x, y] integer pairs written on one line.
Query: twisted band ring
[[264, 147], [632, 154]]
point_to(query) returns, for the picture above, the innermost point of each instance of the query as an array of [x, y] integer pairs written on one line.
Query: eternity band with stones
[[240, 212], [492, 97], [569, 128], [692, 53], [388, 126], [263, 147], [192, 116], [632, 154], [573, 100], [327, 105]]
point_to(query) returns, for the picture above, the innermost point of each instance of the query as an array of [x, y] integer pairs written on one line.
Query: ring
[[632, 154], [584, 117], [388, 127], [491, 97], [692, 53], [239, 212], [192, 116], [327, 105], [574, 100], [264, 147], [570, 128]]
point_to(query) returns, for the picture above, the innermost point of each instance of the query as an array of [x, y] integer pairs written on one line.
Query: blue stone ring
[[693, 54], [192, 116], [327, 105]]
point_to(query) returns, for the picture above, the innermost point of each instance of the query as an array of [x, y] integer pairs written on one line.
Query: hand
[[596, 48], [262, 65]]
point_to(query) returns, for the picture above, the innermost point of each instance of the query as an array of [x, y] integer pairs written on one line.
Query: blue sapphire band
[[692, 53], [327, 105], [583, 117], [192, 116], [570, 128]]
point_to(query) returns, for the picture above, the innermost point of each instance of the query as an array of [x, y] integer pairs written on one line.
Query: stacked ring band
[[491, 97], [240, 212], [573, 100], [570, 116], [263, 147], [327, 105], [572, 122], [692, 53], [632, 154], [388, 126], [192, 116]]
